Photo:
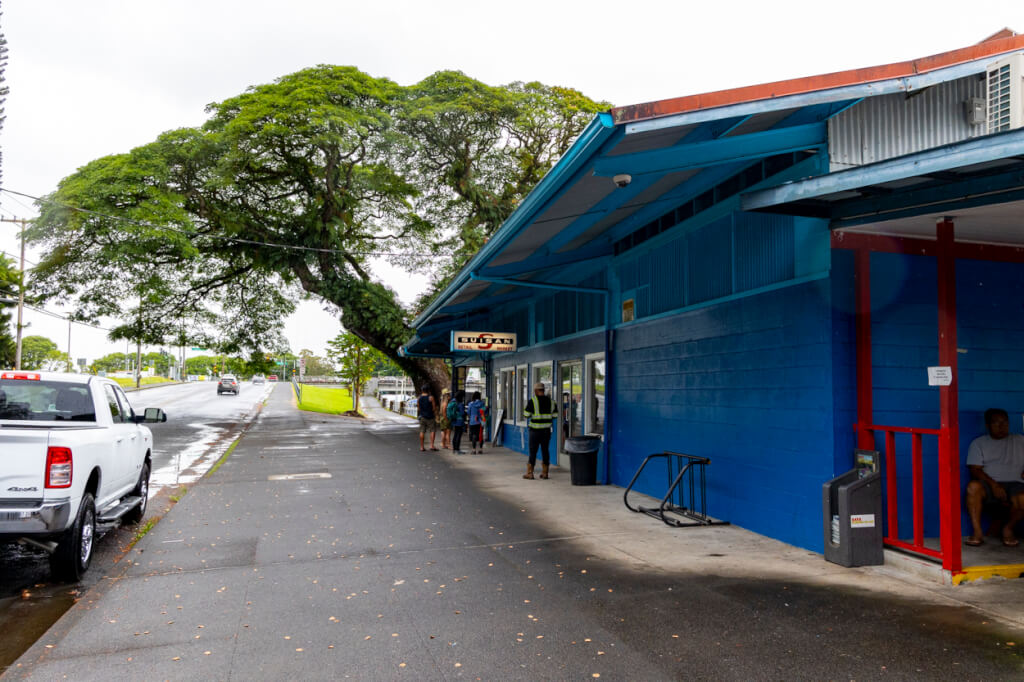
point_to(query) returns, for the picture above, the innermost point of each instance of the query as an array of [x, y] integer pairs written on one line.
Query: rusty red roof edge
[[828, 81]]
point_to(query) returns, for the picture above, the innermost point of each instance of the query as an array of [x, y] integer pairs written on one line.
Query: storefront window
[[524, 394], [542, 374], [506, 393], [595, 395], [571, 399]]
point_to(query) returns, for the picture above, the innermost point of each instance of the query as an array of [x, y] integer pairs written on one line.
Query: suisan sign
[[486, 342]]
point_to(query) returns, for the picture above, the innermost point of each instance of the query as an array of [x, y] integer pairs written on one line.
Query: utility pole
[[21, 287]]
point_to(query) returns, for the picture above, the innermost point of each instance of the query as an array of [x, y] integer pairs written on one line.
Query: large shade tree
[[294, 188]]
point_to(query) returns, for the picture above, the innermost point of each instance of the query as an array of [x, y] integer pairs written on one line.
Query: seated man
[[996, 465]]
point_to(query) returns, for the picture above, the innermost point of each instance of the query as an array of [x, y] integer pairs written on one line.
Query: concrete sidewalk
[[286, 563], [597, 518]]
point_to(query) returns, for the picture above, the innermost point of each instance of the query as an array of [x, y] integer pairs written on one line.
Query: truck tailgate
[[22, 462]]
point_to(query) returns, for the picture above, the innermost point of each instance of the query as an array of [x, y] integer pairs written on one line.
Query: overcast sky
[[97, 77]]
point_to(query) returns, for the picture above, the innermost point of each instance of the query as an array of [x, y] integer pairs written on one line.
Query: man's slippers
[[1010, 542], [974, 542]]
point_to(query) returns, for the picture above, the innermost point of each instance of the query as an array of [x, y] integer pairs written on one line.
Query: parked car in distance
[[75, 462], [272, 377], [227, 384], [258, 379]]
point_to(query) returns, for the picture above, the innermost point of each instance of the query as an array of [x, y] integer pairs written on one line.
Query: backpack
[[452, 410]]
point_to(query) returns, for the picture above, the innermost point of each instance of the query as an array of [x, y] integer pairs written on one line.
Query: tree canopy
[[39, 352], [293, 189], [8, 291], [315, 366]]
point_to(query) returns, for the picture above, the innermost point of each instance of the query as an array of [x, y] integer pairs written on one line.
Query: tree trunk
[[372, 312], [355, 394]]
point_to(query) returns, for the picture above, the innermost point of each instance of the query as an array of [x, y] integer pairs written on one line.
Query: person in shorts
[[426, 409], [996, 464]]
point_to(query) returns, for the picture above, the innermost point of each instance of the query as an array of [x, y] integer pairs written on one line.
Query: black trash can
[[852, 506], [583, 459]]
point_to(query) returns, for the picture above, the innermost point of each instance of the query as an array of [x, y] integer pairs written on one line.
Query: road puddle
[[34, 611]]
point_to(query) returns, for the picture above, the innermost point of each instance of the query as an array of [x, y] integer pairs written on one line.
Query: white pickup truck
[[74, 460]]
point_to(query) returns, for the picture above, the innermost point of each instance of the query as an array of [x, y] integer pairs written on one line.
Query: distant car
[[272, 377], [227, 384], [258, 379]]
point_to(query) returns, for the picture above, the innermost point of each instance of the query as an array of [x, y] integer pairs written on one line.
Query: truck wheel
[[141, 490], [73, 555]]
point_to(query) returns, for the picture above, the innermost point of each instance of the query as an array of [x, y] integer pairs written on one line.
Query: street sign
[[194, 348], [81, 362]]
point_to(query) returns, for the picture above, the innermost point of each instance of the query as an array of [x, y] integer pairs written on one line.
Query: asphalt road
[[327, 548], [200, 426]]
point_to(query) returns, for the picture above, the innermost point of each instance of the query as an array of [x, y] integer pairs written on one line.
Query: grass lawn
[[146, 381], [327, 400]]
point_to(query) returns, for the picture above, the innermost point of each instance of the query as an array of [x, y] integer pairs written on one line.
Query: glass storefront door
[[570, 401]]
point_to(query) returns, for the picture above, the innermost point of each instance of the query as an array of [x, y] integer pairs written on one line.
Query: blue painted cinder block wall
[[990, 338], [746, 382]]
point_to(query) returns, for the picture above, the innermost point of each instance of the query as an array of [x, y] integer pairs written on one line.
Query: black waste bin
[[583, 459], [852, 506]]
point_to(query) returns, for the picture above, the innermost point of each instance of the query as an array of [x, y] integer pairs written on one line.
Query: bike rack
[[673, 463]]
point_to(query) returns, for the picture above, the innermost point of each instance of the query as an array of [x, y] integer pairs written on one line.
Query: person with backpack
[[444, 424], [456, 414], [476, 409], [426, 413]]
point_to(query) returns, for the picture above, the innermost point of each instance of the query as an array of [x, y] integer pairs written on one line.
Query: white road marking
[[296, 477]]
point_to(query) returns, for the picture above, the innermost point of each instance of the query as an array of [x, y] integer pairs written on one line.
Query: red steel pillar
[[949, 441], [865, 410]]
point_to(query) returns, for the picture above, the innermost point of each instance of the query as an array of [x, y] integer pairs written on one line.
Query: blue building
[[763, 276]]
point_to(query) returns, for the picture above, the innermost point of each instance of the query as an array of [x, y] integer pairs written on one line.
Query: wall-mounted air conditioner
[[1005, 93]]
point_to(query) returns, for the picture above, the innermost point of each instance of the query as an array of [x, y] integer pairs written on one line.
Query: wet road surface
[[330, 548], [200, 427]]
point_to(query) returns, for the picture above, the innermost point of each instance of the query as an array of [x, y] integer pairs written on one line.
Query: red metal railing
[[892, 537]]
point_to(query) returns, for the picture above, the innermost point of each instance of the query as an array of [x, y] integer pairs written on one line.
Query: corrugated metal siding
[[709, 261], [731, 255], [885, 127], [764, 250], [668, 273]]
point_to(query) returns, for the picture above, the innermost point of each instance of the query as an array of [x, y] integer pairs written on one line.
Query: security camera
[[622, 179]]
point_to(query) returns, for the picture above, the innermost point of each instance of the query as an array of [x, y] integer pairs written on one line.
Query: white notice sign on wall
[[940, 376]]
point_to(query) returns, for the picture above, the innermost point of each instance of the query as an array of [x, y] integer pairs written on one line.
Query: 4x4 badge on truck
[[16, 489]]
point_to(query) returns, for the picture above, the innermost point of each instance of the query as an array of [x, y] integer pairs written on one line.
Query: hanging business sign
[[484, 342]]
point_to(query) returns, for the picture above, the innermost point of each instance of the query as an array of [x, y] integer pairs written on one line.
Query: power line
[[236, 240], [66, 319], [12, 255]]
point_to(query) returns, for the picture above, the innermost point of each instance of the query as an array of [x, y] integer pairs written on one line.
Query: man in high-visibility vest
[[540, 413]]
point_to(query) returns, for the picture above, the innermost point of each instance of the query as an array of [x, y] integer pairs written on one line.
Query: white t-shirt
[[1001, 459]]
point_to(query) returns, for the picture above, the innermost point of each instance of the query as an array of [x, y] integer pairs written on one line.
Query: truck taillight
[[58, 467]]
